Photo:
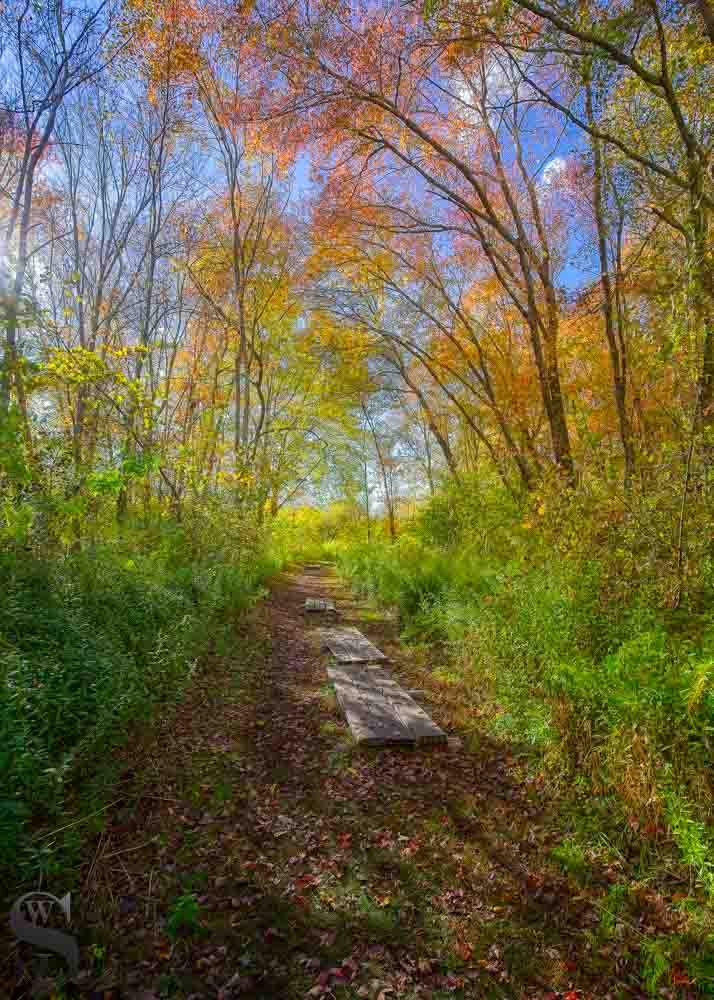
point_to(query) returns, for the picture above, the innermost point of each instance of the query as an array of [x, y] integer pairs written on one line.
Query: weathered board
[[410, 714], [378, 711], [319, 604], [348, 645], [369, 712]]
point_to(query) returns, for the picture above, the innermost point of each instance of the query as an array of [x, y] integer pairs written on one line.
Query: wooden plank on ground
[[348, 645], [319, 604], [369, 712], [410, 714]]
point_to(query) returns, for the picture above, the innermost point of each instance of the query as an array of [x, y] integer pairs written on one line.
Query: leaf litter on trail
[[397, 875]]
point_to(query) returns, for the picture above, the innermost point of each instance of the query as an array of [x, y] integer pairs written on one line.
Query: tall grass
[[559, 614], [92, 643]]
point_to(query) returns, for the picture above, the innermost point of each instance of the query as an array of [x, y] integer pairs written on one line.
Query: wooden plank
[[410, 714], [369, 712], [319, 604], [417, 721], [348, 645]]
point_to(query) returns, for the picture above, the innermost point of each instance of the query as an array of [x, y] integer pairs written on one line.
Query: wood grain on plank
[[319, 604], [348, 645], [409, 713], [368, 710]]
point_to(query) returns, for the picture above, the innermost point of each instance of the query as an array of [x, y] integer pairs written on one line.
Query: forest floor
[[257, 852]]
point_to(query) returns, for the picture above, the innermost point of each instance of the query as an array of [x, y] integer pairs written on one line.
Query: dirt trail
[[310, 868]]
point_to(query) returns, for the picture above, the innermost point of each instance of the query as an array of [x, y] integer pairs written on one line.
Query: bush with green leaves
[[93, 642], [184, 916], [558, 609]]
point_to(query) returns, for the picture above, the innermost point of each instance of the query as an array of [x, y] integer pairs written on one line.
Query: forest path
[[290, 864]]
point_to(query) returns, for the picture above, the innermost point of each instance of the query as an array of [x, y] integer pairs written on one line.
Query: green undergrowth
[[558, 614], [93, 644]]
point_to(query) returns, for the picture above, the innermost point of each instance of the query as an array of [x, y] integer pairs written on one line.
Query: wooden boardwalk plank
[[348, 645], [319, 604], [380, 712], [369, 712], [410, 714]]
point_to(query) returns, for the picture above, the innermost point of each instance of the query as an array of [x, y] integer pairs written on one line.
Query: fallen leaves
[[369, 876], [464, 950]]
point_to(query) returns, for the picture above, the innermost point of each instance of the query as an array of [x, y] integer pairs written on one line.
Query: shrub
[[570, 637], [91, 643]]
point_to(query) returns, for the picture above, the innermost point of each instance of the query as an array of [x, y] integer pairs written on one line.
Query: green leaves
[[108, 482], [14, 466], [15, 522], [184, 916], [92, 642], [135, 466]]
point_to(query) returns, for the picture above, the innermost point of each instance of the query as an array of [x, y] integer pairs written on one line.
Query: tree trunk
[[616, 344]]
